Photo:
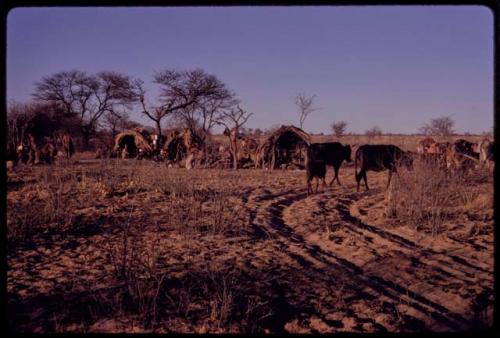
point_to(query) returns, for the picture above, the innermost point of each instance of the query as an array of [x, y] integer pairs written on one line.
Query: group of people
[[34, 150]]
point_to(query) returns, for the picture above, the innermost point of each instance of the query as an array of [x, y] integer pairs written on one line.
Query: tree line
[[86, 104], [91, 106]]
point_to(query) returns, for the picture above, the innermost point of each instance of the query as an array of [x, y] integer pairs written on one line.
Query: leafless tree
[[488, 133], [182, 93], [19, 120], [233, 120], [374, 131], [305, 105], [116, 121], [38, 118], [86, 96], [339, 128], [442, 126]]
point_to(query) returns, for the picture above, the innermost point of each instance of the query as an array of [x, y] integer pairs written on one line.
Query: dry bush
[[426, 197], [196, 204], [207, 298], [137, 269], [51, 204]]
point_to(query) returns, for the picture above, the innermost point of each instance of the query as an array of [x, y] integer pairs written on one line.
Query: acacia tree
[[305, 105], [116, 121], [86, 96], [442, 126], [339, 128], [374, 131], [204, 115], [233, 120], [182, 93]]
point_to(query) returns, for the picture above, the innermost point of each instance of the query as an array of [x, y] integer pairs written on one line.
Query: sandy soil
[[327, 262]]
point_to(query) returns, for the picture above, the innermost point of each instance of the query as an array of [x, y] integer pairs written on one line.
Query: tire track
[[344, 206], [269, 216]]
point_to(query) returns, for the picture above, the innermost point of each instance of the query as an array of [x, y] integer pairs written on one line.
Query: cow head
[[407, 159], [347, 153]]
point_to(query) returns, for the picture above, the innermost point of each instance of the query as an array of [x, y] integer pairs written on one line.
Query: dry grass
[[405, 142], [134, 246], [427, 197]]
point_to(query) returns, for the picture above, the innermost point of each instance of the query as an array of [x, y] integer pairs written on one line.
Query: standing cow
[[486, 152], [460, 156], [379, 157], [315, 168], [433, 153], [425, 144], [332, 153]]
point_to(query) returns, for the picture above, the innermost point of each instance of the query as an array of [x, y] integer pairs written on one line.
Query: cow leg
[[358, 179], [366, 180], [331, 182], [317, 184], [336, 176], [323, 184]]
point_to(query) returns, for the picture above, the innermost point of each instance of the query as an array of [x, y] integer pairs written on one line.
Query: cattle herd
[[457, 156]]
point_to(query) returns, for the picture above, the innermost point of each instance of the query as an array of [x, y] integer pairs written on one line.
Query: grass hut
[[180, 145], [132, 143], [247, 152], [284, 148]]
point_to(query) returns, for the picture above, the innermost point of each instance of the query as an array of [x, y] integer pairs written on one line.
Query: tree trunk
[[158, 130], [235, 157], [234, 151], [86, 134]]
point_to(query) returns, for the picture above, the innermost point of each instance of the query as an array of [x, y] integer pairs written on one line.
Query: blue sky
[[391, 66]]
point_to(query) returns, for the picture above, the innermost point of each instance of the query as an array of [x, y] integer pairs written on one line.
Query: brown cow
[[379, 157], [460, 156], [486, 152], [435, 154], [423, 145]]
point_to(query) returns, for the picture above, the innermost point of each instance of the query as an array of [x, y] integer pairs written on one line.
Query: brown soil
[[288, 262]]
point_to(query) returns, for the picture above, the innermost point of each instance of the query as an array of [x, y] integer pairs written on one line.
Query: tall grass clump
[[428, 196], [51, 205]]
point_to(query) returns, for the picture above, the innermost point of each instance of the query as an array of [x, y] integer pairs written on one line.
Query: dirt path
[[394, 280], [327, 262]]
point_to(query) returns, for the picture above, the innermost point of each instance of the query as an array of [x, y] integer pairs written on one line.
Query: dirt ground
[[131, 246]]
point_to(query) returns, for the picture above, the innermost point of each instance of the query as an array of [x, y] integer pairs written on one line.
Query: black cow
[[379, 157], [332, 153], [315, 168]]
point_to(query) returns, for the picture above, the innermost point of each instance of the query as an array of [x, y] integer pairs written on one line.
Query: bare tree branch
[[305, 105]]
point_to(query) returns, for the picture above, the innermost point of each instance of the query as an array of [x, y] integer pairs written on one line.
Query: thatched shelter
[[284, 148], [247, 151], [132, 143], [182, 147]]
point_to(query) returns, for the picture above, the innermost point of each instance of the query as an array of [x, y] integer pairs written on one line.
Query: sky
[[395, 67]]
